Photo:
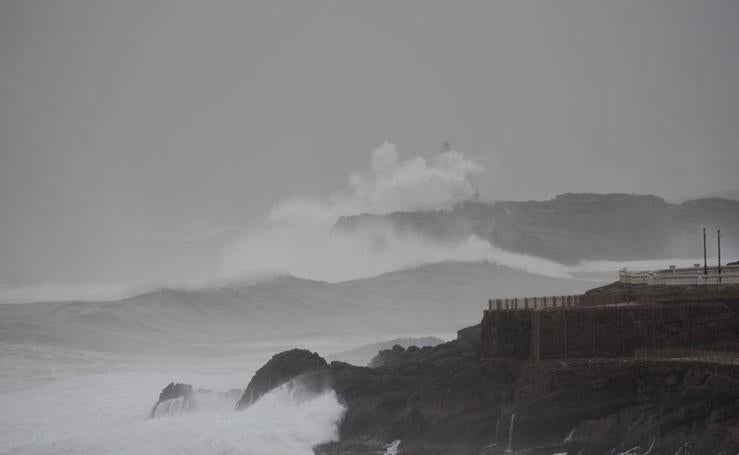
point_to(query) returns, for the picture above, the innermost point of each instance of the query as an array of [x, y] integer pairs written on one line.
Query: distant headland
[[573, 227]]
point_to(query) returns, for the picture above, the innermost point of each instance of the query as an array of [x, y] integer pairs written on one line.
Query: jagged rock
[[450, 400], [451, 403], [370, 351], [178, 398], [389, 356], [175, 390], [174, 398], [280, 369]]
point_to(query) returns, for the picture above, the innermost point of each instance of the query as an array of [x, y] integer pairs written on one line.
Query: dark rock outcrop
[[177, 394], [282, 368], [175, 390], [450, 400], [178, 398], [364, 355], [398, 355]]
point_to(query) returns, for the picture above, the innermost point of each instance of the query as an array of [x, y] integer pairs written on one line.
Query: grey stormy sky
[[135, 135]]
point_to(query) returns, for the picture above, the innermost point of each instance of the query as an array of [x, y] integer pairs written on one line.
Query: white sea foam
[[392, 448], [107, 414]]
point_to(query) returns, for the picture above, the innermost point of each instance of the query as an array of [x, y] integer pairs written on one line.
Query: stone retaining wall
[[605, 331]]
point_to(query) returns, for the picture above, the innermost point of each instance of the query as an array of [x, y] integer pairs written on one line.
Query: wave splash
[[299, 239], [284, 421]]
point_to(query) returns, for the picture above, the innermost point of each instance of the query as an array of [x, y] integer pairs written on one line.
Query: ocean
[[81, 376]]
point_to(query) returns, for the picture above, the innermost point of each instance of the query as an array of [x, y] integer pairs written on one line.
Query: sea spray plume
[[281, 422], [175, 398], [281, 369], [392, 448], [298, 237], [393, 185]]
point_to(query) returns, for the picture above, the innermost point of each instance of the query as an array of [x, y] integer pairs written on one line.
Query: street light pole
[[705, 258], [719, 256]]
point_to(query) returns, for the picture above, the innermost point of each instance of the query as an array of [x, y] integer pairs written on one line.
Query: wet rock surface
[[175, 390], [282, 368], [450, 400], [179, 398], [398, 355], [364, 355], [174, 395]]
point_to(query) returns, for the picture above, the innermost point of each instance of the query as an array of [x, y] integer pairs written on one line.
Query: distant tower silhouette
[[447, 147]]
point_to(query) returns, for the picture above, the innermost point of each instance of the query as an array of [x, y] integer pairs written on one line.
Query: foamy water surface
[[81, 402]]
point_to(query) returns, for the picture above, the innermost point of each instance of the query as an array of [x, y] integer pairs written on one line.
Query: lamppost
[[705, 259], [719, 256]]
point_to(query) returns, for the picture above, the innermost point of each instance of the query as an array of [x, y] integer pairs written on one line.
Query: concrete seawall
[[608, 331]]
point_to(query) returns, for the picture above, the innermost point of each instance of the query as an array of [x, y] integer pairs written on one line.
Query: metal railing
[[688, 355], [553, 302], [681, 276]]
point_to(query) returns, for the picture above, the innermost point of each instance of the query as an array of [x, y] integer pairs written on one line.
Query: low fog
[[153, 142]]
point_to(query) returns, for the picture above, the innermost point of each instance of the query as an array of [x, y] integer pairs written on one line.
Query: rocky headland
[[450, 400], [456, 399], [570, 227]]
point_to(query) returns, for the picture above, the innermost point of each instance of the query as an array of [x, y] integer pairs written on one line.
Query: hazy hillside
[[574, 227]]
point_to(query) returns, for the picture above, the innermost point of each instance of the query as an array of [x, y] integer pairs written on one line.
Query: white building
[[689, 275]]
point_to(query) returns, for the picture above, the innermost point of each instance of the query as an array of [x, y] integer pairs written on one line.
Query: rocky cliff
[[454, 399], [572, 227], [282, 368], [450, 400]]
